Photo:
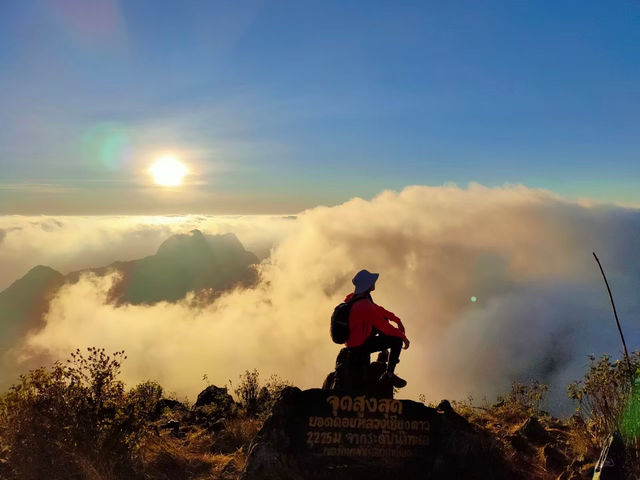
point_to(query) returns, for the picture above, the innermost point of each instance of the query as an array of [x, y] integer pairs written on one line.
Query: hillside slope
[[24, 302]]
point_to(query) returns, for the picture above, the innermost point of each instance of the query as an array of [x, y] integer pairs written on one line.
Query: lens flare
[[109, 143], [168, 171]]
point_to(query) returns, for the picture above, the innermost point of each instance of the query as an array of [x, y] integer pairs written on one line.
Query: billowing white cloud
[[524, 254]]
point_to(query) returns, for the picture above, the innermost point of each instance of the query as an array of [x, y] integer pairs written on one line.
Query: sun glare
[[168, 171]]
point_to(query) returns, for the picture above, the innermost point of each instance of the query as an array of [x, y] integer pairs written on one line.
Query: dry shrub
[[230, 467], [523, 401], [74, 420], [466, 408], [607, 402], [257, 399], [237, 435], [145, 397], [248, 390], [603, 395], [167, 458], [197, 454]]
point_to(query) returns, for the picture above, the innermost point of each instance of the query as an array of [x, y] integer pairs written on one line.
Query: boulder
[[351, 370], [173, 425], [445, 408], [519, 443], [533, 431], [355, 372], [331, 435], [217, 396], [167, 404], [212, 404], [217, 426]]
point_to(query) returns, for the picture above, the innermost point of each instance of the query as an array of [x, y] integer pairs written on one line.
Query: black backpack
[[340, 322]]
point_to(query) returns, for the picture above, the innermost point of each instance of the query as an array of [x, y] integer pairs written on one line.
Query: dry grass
[[561, 445], [199, 454], [237, 435], [165, 457], [564, 449]]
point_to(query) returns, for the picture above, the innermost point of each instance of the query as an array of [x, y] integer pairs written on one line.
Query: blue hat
[[364, 281]]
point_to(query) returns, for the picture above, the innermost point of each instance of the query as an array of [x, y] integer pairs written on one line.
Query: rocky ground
[[215, 437], [207, 441], [540, 447]]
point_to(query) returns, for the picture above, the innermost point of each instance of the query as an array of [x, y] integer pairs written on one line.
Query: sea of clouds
[[526, 255]]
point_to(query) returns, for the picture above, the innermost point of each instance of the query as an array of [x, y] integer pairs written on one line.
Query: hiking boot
[[395, 380]]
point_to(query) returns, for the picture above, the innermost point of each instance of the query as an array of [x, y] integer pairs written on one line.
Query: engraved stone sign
[[318, 434], [351, 427]]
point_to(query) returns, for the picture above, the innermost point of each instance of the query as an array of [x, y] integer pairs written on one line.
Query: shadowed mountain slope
[[183, 263], [24, 302]]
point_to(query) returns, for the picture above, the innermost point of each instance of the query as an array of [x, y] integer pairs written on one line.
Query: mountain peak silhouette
[[183, 263], [180, 243]]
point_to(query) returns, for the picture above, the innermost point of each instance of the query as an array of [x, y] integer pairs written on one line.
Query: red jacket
[[365, 315]]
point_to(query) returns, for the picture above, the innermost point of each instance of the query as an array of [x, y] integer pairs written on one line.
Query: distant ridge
[[183, 263], [25, 301]]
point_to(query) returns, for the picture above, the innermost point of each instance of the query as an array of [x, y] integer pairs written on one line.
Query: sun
[[168, 171]]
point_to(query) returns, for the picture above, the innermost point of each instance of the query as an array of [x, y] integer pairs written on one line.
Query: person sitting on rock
[[370, 328]]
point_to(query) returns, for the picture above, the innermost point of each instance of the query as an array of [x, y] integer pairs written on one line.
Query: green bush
[[527, 396], [257, 399], [270, 392], [603, 395], [74, 420], [248, 390], [524, 400], [145, 397]]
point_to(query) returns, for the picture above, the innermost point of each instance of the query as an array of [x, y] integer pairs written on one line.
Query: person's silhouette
[[370, 329]]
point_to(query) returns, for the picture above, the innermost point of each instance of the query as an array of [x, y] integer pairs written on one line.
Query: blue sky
[[277, 106]]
